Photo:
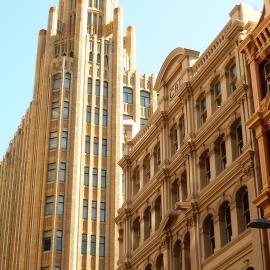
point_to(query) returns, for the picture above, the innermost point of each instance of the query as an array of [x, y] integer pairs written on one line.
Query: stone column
[[213, 165], [152, 163], [234, 220], [141, 229], [153, 218], [217, 233]]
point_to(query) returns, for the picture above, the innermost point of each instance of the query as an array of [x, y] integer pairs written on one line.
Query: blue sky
[[160, 25]]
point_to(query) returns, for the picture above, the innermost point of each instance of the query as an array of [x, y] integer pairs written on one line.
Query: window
[[143, 122], [104, 118], [217, 95], [86, 176], [221, 155], [94, 211], [104, 147], [51, 173], [49, 206], [96, 120], [103, 179], [127, 117], [89, 86], [237, 139], [174, 140], [62, 174], [242, 208], [84, 244], [57, 268], [95, 146], [205, 171], [85, 209], [88, 114], [157, 159], [136, 233], [106, 60], [225, 223], [209, 236], [98, 58], [67, 81], [146, 169], [97, 92], [66, 110], [183, 187], [60, 208], [55, 111], [95, 176], [57, 81], [53, 140], [47, 240], [93, 245], [91, 57], [232, 73], [128, 95], [87, 144], [102, 211], [105, 89], [202, 110], [64, 140], [145, 99], [101, 246], [182, 130], [246, 213], [147, 222], [59, 236], [175, 193]]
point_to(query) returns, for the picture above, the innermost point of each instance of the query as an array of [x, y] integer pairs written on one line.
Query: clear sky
[[161, 25]]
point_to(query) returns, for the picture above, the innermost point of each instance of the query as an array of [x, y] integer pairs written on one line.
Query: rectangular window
[[47, 240], [103, 179], [88, 114], [202, 110], [85, 209], [101, 246], [95, 146], [55, 111], [145, 99], [64, 140], [239, 139], [105, 118], [51, 173], [66, 110], [49, 206], [102, 211], [67, 81], [62, 174], [86, 176], [87, 144], [53, 140], [105, 89], [143, 122], [217, 95], [60, 207], [96, 120], [84, 244], [94, 211], [93, 245], [95, 176], [57, 81], [182, 130], [232, 77], [97, 92], [223, 159], [59, 236], [104, 147], [128, 95], [89, 86]]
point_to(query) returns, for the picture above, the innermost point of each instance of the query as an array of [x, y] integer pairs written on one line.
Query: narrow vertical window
[[84, 244], [85, 209], [59, 236], [217, 95], [103, 179], [49, 206], [95, 176], [128, 95], [86, 176], [95, 146], [104, 118], [202, 110], [93, 245], [88, 114], [67, 81], [51, 173], [101, 246], [47, 237], [96, 120], [98, 58], [105, 89], [56, 81], [87, 144], [97, 92], [232, 77], [53, 140], [106, 60], [102, 211], [104, 147], [145, 99], [62, 174], [94, 211], [55, 111], [60, 206], [89, 86], [66, 110], [64, 140]]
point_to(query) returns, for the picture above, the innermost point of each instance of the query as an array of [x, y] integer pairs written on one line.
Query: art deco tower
[[60, 185]]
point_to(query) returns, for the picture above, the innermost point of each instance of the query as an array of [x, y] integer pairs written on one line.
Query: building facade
[[191, 176], [256, 49], [60, 185]]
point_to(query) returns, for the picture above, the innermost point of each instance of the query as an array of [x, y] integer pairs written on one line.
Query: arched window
[[225, 223], [91, 57], [183, 187], [136, 233], [147, 223], [67, 81], [208, 236], [177, 256], [146, 169], [231, 76], [217, 97], [175, 193], [145, 99], [174, 139], [158, 212], [106, 60], [136, 181], [242, 207], [220, 154], [159, 263], [237, 138], [98, 59], [205, 171], [186, 251]]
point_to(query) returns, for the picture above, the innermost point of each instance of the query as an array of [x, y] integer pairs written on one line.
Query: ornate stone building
[[60, 185], [190, 173], [256, 49]]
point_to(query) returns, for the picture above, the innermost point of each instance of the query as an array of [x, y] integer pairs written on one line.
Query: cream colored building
[[60, 185], [191, 176]]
